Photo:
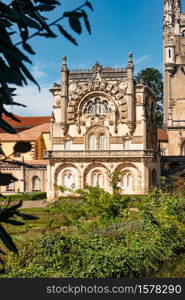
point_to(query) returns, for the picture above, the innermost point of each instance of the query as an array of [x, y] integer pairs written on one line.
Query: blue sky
[[118, 27]]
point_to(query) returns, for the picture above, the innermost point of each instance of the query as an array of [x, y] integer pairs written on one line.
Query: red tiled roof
[[26, 122], [162, 135], [37, 162], [31, 134]]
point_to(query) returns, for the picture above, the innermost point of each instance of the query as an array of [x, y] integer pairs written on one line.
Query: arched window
[[67, 144], [102, 142], [127, 181], [126, 145], [68, 179], [97, 106], [183, 33], [35, 183], [92, 142], [97, 179]]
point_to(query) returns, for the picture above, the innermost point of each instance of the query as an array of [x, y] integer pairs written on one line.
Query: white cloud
[[38, 73], [143, 59], [38, 103]]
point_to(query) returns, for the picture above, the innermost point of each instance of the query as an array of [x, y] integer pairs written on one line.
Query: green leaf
[[7, 240], [6, 179], [19, 163], [22, 147], [45, 7], [2, 252], [8, 75], [26, 216], [87, 3], [87, 24], [28, 74], [28, 48], [18, 104], [8, 128], [75, 23], [13, 222], [67, 35], [50, 2]]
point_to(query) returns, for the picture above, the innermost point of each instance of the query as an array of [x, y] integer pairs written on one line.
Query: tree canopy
[[22, 20], [154, 79]]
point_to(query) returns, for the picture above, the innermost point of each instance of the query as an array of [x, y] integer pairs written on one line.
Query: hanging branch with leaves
[[19, 18]]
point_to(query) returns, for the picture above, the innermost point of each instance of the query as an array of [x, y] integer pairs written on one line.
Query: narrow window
[[102, 142], [129, 180], [169, 53], [92, 142], [35, 183], [67, 145], [97, 179], [68, 179], [126, 145]]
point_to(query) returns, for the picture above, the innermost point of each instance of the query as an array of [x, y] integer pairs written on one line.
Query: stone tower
[[174, 76]]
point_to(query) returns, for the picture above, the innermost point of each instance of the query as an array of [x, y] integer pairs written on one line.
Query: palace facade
[[103, 121]]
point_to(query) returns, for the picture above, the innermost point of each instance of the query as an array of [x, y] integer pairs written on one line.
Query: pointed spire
[[130, 61], [64, 63]]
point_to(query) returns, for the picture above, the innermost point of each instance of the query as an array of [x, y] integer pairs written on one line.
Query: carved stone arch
[[64, 166], [107, 90], [95, 87], [90, 168], [127, 166], [95, 94]]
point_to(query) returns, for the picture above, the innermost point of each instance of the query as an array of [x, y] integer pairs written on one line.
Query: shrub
[[25, 196]]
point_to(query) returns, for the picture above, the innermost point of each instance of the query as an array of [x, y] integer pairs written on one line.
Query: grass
[[46, 221]]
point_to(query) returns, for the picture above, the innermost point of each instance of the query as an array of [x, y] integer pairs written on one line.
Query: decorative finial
[[130, 57], [130, 61], [64, 63], [97, 67], [64, 60]]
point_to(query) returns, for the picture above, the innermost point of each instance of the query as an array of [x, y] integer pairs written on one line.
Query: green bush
[[25, 196], [145, 239]]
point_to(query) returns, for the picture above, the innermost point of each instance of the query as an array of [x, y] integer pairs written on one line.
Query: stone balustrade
[[93, 154]]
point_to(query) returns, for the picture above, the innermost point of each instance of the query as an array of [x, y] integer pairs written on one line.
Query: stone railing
[[99, 154]]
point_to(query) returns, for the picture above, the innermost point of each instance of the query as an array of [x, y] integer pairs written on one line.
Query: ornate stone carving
[[116, 140], [72, 87], [78, 140], [137, 140], [58, 140]]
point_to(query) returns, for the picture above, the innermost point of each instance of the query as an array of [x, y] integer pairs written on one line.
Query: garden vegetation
[[105, 235]]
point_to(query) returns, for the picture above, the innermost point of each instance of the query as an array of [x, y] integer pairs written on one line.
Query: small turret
[[170, 52]]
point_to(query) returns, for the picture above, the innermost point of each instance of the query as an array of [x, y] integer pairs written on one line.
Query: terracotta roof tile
[[31, 134], [26, 122], [37, 162], [162, 135]]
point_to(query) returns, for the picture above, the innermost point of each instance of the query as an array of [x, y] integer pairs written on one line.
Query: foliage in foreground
[[25, 196], [148, 238]]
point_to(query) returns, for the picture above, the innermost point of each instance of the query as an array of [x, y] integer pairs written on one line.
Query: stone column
[[64, 94], [51, 131], [130, 93], [50, 184], [22, 179]]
